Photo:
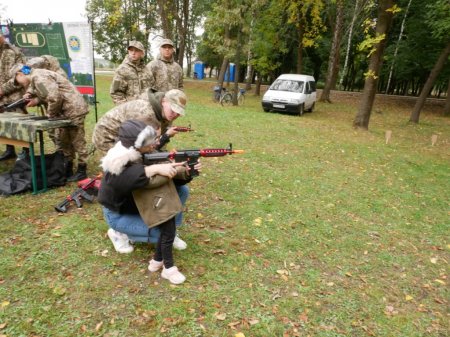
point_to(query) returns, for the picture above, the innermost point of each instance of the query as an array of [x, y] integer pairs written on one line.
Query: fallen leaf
[[98, 326], [233, 325], [239, 334], [433, 260], [104, 253], [409, 298], [253, 321], [199, 216], [3, 325], [440, 282], [220, 316], [5, 304]]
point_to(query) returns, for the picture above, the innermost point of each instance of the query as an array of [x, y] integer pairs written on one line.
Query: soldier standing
[[166, 73], [61, 99], [132, 77], [9, 92]]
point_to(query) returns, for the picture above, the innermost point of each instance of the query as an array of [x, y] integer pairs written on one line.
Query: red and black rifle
[[189, 156], [82, 192], [183, 128]]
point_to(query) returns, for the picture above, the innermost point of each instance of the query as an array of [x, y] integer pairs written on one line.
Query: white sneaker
[[179, 244], [173, 275], [155, 265], [120, 241]]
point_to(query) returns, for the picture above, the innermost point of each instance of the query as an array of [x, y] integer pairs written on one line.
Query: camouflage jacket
[[60, 97], [129, 81], [166, 75], [9, 56], [106, 130]]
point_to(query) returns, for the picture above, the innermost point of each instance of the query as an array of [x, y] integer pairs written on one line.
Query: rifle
[[164, 139], [19, 104], [183, 128], [191, 156], [78, 194]]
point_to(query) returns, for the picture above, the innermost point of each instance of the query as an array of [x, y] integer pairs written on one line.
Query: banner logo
[[30, 39], [74, 43]]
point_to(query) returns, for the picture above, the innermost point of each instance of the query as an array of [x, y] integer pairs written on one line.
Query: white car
[[291, 93]]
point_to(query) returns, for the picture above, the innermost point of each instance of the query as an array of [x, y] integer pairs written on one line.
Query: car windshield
[[287, 85]]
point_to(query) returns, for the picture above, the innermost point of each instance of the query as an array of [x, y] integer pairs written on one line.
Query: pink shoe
[[173, 275], [155, 265]]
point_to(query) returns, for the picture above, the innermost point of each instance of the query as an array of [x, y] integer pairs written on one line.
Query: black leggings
[[165, 243]]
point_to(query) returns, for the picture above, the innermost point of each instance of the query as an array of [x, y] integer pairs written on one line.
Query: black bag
[[19, 179], [13, 183]]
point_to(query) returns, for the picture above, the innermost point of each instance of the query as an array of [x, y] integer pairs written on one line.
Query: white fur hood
[[118, 157]]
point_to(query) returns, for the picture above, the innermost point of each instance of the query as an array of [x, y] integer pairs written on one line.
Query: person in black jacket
[[125, 179]]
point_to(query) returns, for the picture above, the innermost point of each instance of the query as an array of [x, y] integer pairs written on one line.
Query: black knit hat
[[136, 133]]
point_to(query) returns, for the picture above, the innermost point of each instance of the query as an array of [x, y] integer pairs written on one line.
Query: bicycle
[[227, 97], [217, 96]]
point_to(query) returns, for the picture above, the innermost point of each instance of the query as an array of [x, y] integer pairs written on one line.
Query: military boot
[[9, 153], [80, 174], [24, 154]]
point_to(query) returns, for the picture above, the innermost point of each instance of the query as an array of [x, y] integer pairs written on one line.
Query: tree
[[116, 23], [333, 61], [439, 22], [377, 46], [305, 16]]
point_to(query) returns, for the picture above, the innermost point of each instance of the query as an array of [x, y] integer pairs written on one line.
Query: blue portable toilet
[[229, 74], [199, 70]]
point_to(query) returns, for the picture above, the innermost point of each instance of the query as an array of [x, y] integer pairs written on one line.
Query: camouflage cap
[[36, 62], [177, 100], [165, 42], [137, 45]]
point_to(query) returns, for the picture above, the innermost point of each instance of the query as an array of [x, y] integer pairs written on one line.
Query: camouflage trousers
[[72, 141]]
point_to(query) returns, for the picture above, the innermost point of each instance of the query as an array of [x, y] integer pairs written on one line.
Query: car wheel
[[312, 107], [266, 110], [301, 109]]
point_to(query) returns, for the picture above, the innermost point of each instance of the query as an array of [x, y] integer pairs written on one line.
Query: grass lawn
[[317, 230]]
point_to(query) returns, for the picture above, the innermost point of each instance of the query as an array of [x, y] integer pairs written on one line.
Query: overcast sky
[[41, 11]]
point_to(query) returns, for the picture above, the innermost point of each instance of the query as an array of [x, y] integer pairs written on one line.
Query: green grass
[[317, 230]]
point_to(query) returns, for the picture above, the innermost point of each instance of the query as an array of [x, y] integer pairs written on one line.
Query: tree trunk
[[429, 84], [166, 23], [349, 42], [370, 85], [258, 86], [237, 64], [301, 32], [333, 61], [400, 36], [447, 101]]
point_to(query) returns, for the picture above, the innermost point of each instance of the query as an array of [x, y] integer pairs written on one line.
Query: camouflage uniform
[[107, 128], [166, 75], [62, 99], [130, 80], [9, 56]]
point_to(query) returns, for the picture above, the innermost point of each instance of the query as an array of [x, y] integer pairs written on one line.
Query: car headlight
[[295, 100], [266, 99]]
